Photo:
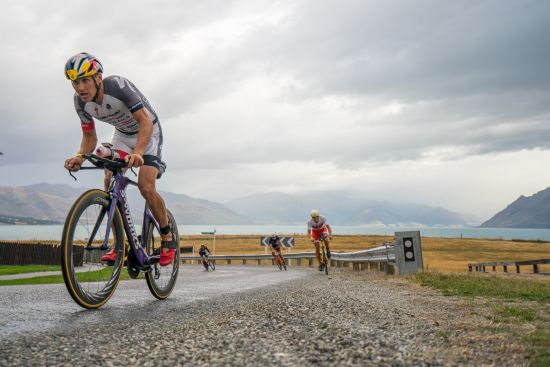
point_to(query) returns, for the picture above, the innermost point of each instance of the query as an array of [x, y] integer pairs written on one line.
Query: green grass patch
[[21, 269], [519, 313], [443, 334], [82, 277], [493, 286], [539, 341]]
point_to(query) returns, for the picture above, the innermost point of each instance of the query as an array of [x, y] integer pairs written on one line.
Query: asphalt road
[[256, 316], [44, 308]]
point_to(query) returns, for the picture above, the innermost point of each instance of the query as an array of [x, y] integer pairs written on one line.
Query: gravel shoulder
[[362, 319]]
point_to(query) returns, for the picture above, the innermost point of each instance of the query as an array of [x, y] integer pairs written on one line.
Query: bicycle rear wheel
[[282, 262], [162, 279], [90, 281]]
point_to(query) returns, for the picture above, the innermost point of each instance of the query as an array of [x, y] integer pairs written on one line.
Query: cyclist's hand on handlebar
[[134, 160], [73, 164]]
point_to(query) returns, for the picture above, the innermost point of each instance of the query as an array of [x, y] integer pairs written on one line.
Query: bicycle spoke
[[161, 279], [89, 280]]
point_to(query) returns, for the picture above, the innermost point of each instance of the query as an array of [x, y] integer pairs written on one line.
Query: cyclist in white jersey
[[137, 138], [316, 226]]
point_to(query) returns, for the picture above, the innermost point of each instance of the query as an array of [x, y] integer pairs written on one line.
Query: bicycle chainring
[[132, 265]]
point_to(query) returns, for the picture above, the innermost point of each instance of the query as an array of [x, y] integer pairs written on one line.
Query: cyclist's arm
[[89, 142], [329, 229], [87, 146], [144, 134]]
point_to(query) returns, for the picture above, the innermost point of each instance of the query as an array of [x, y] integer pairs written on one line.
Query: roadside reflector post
[[408, 252]]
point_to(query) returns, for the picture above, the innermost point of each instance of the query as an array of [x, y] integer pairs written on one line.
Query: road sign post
[[408, 252]]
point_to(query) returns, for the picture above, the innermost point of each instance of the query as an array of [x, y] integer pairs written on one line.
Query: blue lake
[[53, 232]]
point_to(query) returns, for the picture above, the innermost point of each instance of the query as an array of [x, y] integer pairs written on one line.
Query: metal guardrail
[[481, 267], [380, 258]]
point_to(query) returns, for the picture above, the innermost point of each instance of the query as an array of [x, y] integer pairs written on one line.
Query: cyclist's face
[[85, 87], [316, 219]]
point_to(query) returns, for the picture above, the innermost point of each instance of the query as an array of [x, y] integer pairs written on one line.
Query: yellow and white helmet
[[314, 213], [81, 65]]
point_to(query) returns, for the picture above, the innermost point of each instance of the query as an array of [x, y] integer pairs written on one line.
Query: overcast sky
[[432, 102]]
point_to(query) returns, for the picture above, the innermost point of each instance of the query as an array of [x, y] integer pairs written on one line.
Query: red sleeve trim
[[87, 126]]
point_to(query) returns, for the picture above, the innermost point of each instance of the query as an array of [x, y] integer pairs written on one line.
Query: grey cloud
[[418, 50], [472, 75]]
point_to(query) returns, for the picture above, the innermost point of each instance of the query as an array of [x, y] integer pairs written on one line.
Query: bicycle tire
[[211, 265], [99, 276], [161, 288]]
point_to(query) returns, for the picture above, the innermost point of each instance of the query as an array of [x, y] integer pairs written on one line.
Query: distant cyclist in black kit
[[275, 245]]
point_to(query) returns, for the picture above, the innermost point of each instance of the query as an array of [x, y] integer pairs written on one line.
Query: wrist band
[[79, 155]]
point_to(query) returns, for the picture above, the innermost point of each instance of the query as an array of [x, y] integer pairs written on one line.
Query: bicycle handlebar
[[113, 165], [110, 164]]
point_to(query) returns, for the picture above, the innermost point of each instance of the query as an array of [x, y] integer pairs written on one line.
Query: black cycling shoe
[[321, 268], [328, 254]]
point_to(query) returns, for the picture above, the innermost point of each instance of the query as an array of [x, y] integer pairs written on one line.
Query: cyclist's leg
[[280, 254], [317, 251], [327, 244], [273, 253], [146, 183], [276, 254], [315, 237]]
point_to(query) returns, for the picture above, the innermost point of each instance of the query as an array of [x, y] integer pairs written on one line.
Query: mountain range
[[340, 209], [525, 212], [49, 203], [45, 203], [52, 202]]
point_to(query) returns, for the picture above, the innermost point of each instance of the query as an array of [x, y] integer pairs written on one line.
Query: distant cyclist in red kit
[[137, 138], [317, 225]]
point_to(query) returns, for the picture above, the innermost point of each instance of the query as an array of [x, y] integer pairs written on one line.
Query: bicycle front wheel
[[211, 265], [90, 281], [324, 258], [162, 279]]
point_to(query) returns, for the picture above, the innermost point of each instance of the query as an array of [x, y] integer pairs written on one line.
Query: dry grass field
[[440, 254]]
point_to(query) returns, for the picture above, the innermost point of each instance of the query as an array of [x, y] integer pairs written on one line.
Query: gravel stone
[[346, 319]]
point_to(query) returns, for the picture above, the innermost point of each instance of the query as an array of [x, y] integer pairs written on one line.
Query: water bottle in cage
[[105, 150]]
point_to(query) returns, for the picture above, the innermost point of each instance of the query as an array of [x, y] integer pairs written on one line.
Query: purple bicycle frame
[[118, 198]]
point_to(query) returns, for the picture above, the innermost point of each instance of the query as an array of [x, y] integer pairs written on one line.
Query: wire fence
[[36, 253], [21, 253]]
